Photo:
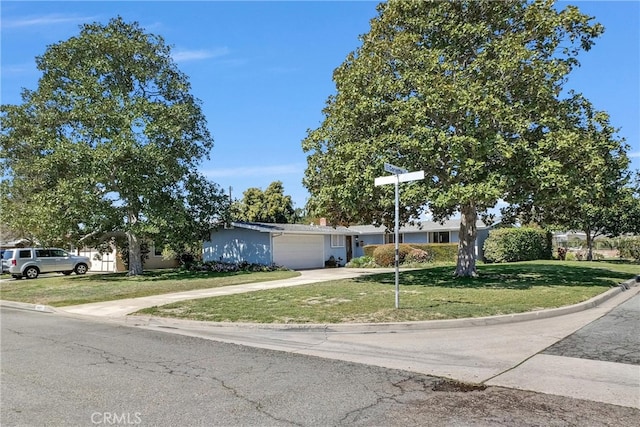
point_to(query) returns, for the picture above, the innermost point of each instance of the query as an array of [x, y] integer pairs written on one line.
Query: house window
[[391, 238], [337, 241], [440, 237]]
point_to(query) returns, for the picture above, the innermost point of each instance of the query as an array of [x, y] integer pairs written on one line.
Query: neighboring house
[[299, 246], [112, 262], [15, 243], [106, 262]]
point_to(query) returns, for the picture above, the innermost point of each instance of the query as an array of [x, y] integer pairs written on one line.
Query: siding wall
[[416, 237], [337, 252], [238, 245]]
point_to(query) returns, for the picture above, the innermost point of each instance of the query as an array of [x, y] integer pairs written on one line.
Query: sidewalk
[[499, 351]]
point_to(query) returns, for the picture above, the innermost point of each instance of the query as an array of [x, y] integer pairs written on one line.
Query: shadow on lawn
[[505, 276]]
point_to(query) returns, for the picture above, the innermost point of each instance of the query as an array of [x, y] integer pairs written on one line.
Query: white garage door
[[298, 251]]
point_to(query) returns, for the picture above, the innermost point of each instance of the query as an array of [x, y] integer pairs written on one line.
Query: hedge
[[629, 247], [438, 252], [385, 255], [517, 244]]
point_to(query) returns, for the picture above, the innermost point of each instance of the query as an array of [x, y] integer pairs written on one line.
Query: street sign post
[[400, 175]]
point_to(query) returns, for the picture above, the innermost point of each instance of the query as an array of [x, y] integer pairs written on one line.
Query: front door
[[348, 243]]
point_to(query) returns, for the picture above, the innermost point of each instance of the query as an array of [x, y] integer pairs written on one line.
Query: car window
[[24, 253], [7, 255], [58, 252], [42, 253]]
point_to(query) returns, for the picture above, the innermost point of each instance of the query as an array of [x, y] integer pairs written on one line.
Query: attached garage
[[298, 251], [295, 246]]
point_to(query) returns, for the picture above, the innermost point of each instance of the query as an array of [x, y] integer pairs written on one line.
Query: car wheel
[[81, 268], [31, 273]]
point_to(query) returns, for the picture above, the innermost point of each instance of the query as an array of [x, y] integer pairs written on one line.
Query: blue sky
[[263, 70]]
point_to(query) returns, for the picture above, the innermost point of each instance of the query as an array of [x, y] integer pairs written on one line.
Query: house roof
[[264, 227], [419, 227]]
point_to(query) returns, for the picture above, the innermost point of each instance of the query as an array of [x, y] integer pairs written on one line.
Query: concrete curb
[[27, 306], [400, 326]]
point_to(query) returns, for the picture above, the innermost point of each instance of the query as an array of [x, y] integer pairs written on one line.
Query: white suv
[[30, 262]]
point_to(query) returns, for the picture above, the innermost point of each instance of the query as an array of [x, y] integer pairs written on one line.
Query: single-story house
[[301, 246], [296, 246]]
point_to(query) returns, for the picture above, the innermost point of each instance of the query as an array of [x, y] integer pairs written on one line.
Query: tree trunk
[[466, 266], [589, 245], [135, 256]]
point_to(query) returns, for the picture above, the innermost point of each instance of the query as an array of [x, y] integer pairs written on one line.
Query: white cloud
[[634, 155], [196, 55], [244, 171], [39, 21]]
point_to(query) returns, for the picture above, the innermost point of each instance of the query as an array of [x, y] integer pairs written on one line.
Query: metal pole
[[397, 232], [399, 175]]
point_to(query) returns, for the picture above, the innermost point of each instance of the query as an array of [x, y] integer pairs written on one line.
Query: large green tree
[[109, 141], [582, 181], [455, 88], [270, 205]]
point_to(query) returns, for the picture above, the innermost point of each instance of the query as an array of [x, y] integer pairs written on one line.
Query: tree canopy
[[109, 141], [585, 191], [270, 205], [468, 91]]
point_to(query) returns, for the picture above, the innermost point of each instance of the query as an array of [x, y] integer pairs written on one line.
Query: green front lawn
[[426, 294], [58, 290]]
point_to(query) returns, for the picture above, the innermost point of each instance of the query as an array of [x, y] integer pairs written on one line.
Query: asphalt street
[[60, 370], [614, 337]]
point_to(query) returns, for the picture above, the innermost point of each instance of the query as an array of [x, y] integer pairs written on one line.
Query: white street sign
[[405, 177], [394, 169], [391, 179], [411, 176]]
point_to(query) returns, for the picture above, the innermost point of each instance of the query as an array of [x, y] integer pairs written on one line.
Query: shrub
[[362, 262], [629, 247], [417, 256], [562, 253], [368, 250], [232, 267], [385, 255], [517, 244], [439, 252]]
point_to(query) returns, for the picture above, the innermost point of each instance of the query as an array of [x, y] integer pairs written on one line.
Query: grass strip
[[59, 291], [425, 294]]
